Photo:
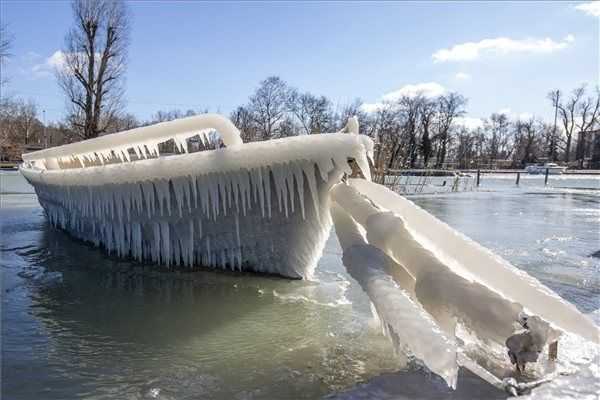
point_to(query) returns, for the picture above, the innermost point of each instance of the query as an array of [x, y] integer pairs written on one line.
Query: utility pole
[[553, 139], [44, 123]]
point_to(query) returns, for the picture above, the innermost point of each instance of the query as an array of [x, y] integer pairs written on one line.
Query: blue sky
[[501, 56]]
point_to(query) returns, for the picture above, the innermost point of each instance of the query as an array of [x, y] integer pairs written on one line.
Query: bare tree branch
[[95, 62]]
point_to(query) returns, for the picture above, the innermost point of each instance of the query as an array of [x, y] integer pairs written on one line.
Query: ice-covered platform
[[260, 206]]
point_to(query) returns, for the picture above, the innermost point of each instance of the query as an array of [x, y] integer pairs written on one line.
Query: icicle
[[222, 182], [309, 171], [190, 252], [237, 231], [267, 190], [299, 174]]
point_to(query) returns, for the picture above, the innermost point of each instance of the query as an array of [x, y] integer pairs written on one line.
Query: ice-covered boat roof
[[322, 150], [149, 136], [94, 158]]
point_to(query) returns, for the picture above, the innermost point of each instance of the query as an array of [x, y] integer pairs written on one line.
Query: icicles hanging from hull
[[271, 219]]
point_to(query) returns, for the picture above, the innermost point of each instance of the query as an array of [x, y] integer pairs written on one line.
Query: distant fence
[[410, 182]]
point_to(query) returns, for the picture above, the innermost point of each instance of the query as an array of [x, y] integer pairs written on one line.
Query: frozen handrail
[[153, 133]]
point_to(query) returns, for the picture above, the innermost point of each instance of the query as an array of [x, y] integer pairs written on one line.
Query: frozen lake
[[77, 323]]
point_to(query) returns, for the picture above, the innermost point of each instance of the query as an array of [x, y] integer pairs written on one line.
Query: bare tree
[[123, 123], [527, 141], [450, 107], [385, 125], [27, 112], [19, 127], [288, 127], [268, 106], [313, 113], [94, 64], [497, 132], [588, 113], [428, 111], [465, 148], [242, 119], [8, 129], [410, 109], [554, 97], [162, 116], [5, 43], [567, 112]]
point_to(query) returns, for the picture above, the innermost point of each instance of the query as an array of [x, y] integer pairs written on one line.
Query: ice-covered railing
[[142, 142]]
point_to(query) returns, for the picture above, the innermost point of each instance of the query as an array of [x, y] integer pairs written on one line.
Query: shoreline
[[522, 171]]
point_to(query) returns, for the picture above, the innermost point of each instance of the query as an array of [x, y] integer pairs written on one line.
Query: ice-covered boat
[[260, 206], [552, 168], [266, 206]]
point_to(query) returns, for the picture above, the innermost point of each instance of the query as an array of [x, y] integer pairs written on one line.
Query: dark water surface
[[77, 323]]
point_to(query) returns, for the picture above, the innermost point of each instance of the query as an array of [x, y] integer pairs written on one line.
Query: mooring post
[[478, 175], [518, 178], [546, 178]]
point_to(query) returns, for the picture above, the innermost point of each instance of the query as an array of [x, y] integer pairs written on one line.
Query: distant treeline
[[411, 132]]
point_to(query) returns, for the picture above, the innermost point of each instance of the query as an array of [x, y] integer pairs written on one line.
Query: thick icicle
[[405, 322], [444, 294]]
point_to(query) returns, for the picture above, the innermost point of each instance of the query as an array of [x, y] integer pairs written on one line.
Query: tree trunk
[[568, 148]]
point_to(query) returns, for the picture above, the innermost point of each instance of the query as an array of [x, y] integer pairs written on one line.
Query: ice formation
[[472, 262], [445, 290], [260, 206], [267, 206], [404, 320]]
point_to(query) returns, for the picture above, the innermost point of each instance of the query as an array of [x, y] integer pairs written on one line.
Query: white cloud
[[469, 122], [371, 107], [470, 51], [427, 89], [462, 76], [56, 62], [523, 116], [592, 8]]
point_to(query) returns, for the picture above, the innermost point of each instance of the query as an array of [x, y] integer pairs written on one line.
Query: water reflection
[[111, 328]]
